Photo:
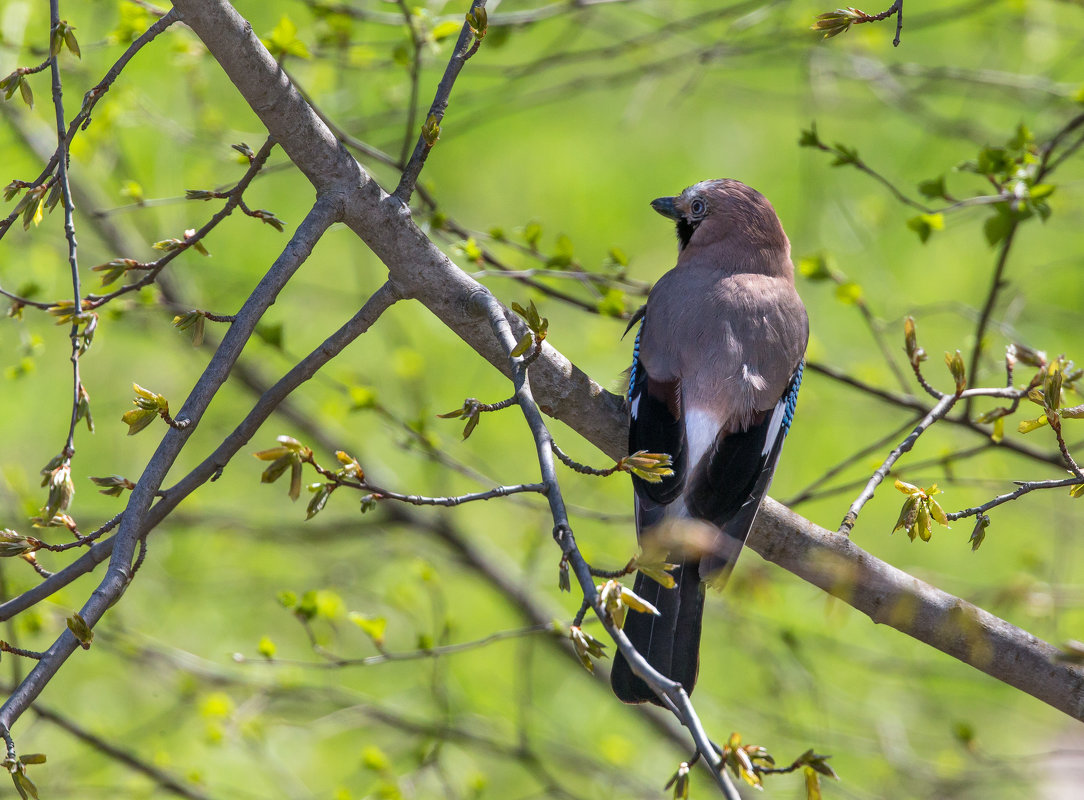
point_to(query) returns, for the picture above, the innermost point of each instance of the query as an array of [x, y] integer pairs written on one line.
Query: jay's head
[[726, 213]]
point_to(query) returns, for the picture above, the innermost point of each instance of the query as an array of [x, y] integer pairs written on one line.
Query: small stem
[[996, 285], [578, 467], [1022, 489], [438, 108], [940, 410]]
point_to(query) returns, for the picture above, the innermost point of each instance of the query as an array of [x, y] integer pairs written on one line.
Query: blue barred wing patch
[[792, 397]]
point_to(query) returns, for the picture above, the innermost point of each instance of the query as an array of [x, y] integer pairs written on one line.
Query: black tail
[[670, 642]]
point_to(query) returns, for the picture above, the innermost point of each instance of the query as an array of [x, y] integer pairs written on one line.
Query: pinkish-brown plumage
[[714, 382]]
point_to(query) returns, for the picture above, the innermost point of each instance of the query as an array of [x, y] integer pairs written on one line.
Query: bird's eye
[[697, 207]]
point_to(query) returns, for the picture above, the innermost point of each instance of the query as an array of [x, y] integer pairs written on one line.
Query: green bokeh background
[[544, 126]]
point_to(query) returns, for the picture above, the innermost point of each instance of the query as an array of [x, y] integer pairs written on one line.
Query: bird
[[717, 363]]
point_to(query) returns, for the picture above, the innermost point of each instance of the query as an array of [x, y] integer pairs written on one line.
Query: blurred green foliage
[[559, 132]]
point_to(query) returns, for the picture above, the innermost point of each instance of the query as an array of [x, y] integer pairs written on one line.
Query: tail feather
[[670, 642]]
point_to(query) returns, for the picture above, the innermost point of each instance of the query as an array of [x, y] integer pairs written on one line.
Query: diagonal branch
[[133, 523], [669, 691], [462, 52]]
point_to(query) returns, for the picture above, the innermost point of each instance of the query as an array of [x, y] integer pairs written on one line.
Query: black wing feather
[[655, 425]]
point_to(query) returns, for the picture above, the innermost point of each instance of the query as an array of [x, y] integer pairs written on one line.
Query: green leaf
[[532, 234], [443, 30], [319, 499], [815, 267], [982, 522], [908, 514], [955, 363], [1041, 190], [137, 419], [849, 293], [373, 758], [295, 480], [925, 224], [809, 138], [997, 227], [471, 250], [612, 303], [25, 91], [71, 42], [277, 468], [24, 785], [933, 188], [844, 155], [283, 41], [78, 626], [431, 129], [266, 648], [373, 627], [1029, 425], [523, 346]]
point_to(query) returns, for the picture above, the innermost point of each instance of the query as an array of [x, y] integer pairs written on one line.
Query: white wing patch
[[701, 428], [635, 409], [774, 427]]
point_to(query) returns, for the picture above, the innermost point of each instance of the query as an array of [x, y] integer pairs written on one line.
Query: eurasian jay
[[715, 374]]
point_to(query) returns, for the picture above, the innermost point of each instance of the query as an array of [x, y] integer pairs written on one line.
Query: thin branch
[[997, 283], [810, 492], [91, 99], [1023, 488], [670, 692], [939, 411], [69, 231], [336, 662], [849, 158], [415, 77], [914, 404], [462, 52], [234, 200], [161, 778], [946, 461], [897, 9], [134, 523]]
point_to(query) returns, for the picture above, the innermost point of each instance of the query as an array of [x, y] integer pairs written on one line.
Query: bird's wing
[[656, 426], [670, 641], [731, 481]]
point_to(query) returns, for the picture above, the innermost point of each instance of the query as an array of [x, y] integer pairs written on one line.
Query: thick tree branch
[[891, 597]]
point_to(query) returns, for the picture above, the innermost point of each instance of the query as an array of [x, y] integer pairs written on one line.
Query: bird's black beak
[[666, 207]]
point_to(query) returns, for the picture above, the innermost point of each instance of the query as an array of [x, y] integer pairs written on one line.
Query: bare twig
[[914, 404], [134, 525], [415, 76], [335, 662], [939, 411], [92, 97], [997, 283], [463, 50], [1023, 488], [234, 201], [670, 692], [163, 779]]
